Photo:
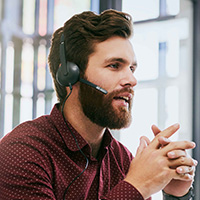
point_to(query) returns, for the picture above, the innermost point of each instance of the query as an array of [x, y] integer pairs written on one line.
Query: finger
[[146, 140], [142, 145], [182, 161], [155, 130], [179, 145], [176, 154], [166, 133], [163, 141], [185, 169], [184, 177]]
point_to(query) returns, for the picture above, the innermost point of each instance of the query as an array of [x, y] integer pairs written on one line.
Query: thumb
[[144, 142]]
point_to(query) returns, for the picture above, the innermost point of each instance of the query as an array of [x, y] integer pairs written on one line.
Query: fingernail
[[194, 144], [176, 125], [171, 154], [167, 140], [180, 170], [195, 162]]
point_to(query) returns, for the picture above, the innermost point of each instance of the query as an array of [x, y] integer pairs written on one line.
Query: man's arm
[[23, 174], [124, 190]]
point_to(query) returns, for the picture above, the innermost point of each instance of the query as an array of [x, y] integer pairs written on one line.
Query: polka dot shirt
[[40, 158]]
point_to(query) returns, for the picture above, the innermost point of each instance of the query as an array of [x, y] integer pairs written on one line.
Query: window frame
[[196, 92]]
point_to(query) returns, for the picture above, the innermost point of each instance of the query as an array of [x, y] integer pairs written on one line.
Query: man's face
[[111, 67]]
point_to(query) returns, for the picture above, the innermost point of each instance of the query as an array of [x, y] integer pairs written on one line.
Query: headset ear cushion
[[71, 77]]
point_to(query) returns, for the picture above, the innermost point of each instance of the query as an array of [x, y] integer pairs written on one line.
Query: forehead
[[117, 47]]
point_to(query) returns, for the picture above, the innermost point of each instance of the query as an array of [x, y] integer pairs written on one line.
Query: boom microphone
[[93, 85]]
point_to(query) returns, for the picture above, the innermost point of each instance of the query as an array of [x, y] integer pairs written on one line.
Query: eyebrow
[[118, 59]]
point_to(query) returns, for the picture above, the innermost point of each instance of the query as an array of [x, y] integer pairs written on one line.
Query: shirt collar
[[67, 136]]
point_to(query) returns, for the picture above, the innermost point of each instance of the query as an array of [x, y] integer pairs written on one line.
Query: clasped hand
[[161, 164]]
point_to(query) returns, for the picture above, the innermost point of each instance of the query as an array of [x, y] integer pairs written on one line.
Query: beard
[[99, 109]]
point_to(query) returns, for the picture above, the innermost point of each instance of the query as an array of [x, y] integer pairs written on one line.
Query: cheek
[[103, 78], [99, 78]]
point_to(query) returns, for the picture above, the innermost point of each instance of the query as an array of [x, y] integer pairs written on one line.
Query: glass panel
[[27, 69], [28, 16], [49, 80], [41, 70], [145, 113], [43, 17], [26, 111], [146, 45], [142, 9], [40, 105], [172, 107], [54, 98], [147, 52], [9, 67], [8, 113], [65, 9], [172, 56], [173, 7]]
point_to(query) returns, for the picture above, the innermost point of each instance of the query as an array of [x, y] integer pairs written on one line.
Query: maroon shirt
[[40, 158]]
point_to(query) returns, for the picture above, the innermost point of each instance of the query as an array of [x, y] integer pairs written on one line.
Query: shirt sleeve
[[23, 172], [123, 190]]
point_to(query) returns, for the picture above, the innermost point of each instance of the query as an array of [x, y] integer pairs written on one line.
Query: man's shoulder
[[26, 131]]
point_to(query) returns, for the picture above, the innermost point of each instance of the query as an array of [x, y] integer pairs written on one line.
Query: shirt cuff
[[188, 196], [124, 190]]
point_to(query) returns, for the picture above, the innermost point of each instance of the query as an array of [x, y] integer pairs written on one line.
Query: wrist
[[144, 191], [188, 196]]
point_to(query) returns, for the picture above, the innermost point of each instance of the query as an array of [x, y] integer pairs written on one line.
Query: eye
[[132, 68], [114, 65]]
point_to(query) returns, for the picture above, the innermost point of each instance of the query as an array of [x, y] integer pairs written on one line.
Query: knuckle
[[161, 162], [182, 160], [180, 153], [173, 145], [187, 176], [154, 154], [186, 143], [191, 162]]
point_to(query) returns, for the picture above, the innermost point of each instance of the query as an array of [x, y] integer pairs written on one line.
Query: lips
[[126, 97]]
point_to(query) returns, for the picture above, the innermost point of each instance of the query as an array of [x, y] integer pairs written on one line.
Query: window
[[26, 85], [151, 9], [141, 10], [65, 9], [28, 21], [162, 43]]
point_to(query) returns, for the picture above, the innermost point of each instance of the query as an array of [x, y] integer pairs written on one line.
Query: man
[[70, 154]]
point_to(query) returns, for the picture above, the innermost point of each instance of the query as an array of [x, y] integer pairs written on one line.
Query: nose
[[128, 78]]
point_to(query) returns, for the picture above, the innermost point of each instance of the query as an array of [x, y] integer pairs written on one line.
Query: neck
[[90, 131]]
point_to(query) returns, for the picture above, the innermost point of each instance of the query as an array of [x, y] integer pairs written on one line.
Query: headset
[[68, 73]]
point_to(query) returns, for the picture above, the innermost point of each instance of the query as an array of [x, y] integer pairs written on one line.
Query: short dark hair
[[82, 32]]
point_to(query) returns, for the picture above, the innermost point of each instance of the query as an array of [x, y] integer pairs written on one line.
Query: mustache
[[119, 91]]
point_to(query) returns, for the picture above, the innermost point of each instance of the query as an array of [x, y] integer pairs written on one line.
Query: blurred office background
[[167, 45]]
